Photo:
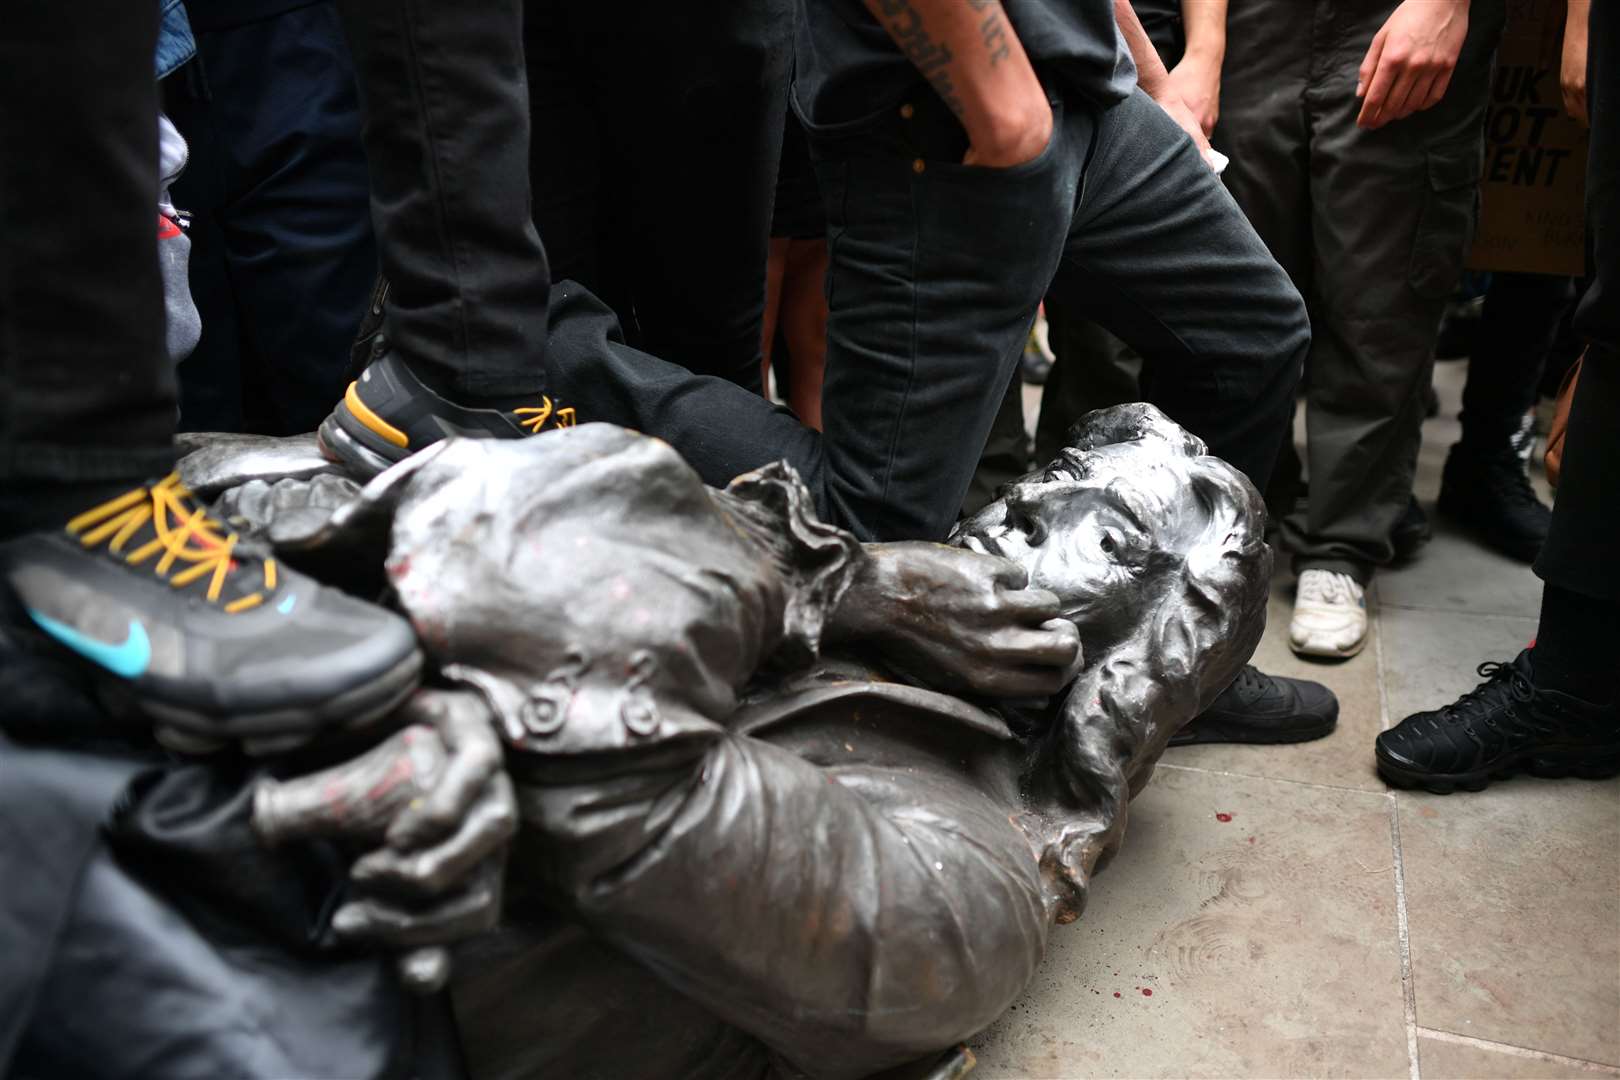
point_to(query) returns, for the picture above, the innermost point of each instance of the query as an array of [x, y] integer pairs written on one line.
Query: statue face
[[1093, 526]]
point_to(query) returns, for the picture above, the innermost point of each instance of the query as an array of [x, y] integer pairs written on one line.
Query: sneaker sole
[[344, 440], [1249, 737], [277, 730], [1584, 766], [1312, 648]]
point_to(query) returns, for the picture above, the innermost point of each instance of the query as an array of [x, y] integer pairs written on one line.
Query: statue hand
[[959, 621], [436, 811]]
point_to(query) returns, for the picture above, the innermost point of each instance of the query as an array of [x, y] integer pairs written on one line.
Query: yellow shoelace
[[535, 417], [164, 504]]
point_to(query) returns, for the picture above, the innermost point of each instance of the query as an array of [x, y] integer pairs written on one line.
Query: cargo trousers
[[1372, 226]]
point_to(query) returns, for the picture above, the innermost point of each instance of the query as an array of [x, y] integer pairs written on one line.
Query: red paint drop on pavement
[[1146, 992], [1251, 839], [1223, 817], [1116, 993]]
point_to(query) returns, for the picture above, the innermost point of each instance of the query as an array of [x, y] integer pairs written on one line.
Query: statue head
[[1133, 514], [1157, 552]]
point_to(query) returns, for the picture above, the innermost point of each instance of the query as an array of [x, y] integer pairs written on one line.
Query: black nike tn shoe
[[212, 639], [1503, 726], [1261, 708], [388, 414]]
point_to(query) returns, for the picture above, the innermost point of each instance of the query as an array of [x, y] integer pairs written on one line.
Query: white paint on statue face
[[1092, 526]]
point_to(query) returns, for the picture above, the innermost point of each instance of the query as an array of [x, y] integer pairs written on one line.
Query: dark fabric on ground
[[179, 947], [282, 257]]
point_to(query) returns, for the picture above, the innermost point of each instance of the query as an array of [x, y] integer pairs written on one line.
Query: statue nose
[[1023, 516]]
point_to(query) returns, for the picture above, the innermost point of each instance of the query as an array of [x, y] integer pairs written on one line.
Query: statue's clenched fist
[[432, 810]]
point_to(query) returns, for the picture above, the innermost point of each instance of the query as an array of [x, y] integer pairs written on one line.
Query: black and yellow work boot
[[211, 639], [388, 414]]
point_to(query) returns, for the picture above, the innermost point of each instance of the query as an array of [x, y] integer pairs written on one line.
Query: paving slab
[[1343, 759], [1430, 657], [1263, 944], [1513, 913], [1446, 1060], [1455, 573]]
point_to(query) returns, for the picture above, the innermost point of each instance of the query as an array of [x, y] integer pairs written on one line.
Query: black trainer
[[1490, 495], [211, 638], [1261, 708], [1503, 726], [1412, 530], [388, 414]]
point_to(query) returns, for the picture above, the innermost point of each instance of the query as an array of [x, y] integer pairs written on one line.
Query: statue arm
[[958, 621], [946, 618]]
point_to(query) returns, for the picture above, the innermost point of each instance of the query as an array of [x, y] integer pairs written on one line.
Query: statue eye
[[1108, 545]]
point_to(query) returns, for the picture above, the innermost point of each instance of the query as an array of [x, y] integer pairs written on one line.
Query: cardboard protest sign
[[1534, 181]]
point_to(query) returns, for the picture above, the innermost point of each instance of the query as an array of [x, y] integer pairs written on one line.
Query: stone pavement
[[1279, 912]]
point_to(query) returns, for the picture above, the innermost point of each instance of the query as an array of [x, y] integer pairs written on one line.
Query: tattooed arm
[[970, 55]]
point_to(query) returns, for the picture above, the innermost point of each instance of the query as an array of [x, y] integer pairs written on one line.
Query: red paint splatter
[[1251, 839], [1223, 816], [1146, 992], [1116, 993]]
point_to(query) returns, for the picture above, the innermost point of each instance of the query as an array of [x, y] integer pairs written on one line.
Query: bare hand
[[1014, 145], [1197, 82], [1171, 103], [1572, 68], [1409, 64], [435, 807], [960, 621]]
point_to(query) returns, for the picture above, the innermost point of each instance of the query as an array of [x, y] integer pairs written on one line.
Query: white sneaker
[[1330, 615]]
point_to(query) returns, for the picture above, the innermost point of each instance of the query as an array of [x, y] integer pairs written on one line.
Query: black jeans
[[282, 256], [1520, 322], [445, 105], [1579, 554], [87, 392], [936, 270], [654, 157]]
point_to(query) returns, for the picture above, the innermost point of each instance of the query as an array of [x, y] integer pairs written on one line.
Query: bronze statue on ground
[[781, 800]]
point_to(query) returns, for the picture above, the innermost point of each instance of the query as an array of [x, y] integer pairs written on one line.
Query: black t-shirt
[[848, 65]]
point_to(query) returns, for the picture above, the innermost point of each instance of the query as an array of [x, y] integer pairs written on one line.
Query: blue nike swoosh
[[129, 659]]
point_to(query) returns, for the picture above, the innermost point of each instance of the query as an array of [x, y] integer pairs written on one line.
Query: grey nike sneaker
[[388, 414], [213, 640]]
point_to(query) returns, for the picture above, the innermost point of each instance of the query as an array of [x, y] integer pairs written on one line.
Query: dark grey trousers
[[1372, 226]]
